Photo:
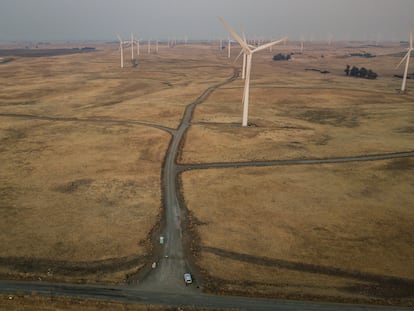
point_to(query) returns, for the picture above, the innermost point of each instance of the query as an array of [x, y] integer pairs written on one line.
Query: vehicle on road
[[187, 278]]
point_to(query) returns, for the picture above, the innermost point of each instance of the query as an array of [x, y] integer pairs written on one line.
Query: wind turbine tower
[[407, 58], [137, 47], [121, 48], [248, 51], [132, 46]]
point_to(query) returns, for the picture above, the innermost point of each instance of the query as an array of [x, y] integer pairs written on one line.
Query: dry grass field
[[333, 231], [80, 182], [37, 303], [80, 176]]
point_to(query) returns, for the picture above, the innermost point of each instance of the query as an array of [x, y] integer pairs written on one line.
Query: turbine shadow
[[381, 285]]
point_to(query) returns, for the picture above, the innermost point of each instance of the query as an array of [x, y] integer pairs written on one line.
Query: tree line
[[360, 72]]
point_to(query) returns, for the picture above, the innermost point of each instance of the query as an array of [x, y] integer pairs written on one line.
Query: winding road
[[164, 285]]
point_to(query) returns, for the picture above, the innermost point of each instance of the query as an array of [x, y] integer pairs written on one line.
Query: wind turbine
[[244, 57], [407, 56], [137, 46], [248, 51], [121, 49], [132, 46]]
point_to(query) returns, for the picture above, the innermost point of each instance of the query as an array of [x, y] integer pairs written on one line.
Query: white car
[[187, 278]]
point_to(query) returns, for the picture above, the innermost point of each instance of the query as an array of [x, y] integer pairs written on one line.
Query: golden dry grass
[[33, 303], [82, 191], [356, 218], [67, 189], [74, 191], [335, 231]]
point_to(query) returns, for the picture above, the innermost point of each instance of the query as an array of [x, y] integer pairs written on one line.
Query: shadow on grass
[[381, 286]]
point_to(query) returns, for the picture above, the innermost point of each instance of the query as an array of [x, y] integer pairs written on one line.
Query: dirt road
[[172, 264]]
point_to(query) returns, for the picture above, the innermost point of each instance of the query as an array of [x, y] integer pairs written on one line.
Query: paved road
[[133, 295]]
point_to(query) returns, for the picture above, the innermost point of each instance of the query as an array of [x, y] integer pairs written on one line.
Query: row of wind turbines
[[131, 43], [248, 51]]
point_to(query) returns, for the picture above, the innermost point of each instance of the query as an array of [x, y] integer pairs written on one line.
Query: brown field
[[80, 189], [23, 302], [331, 232]]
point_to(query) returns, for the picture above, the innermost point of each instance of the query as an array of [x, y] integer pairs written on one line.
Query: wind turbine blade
[[238, 56], [411, 41], [403, 59], [235, 35], [119, 38], [268, 45]]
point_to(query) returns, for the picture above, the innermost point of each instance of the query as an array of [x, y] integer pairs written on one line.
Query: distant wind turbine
[[121, 48], [132, 46], [407, 56], [137, 47], [249, 51]]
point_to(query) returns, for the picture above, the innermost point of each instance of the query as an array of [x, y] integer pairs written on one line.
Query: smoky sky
[[28, 20]]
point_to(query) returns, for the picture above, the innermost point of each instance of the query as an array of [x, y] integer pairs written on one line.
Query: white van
[[187, 278]]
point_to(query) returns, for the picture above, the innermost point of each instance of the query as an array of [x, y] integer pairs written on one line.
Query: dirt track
[[172, 262]]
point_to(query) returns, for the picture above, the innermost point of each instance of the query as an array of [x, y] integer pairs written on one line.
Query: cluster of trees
[[360, 72], [281, 56]]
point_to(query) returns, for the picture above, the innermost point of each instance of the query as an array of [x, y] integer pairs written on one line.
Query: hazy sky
[[159, 19]]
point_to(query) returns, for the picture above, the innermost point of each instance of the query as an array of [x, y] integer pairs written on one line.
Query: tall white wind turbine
[[407, 56], [121, 48], [249, 51]]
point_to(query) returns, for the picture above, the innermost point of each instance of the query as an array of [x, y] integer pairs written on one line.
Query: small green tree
[[363, 72], [354, 72], [347, 70], [371, 75]]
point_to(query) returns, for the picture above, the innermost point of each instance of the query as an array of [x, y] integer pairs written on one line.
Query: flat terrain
[[83, 144]]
